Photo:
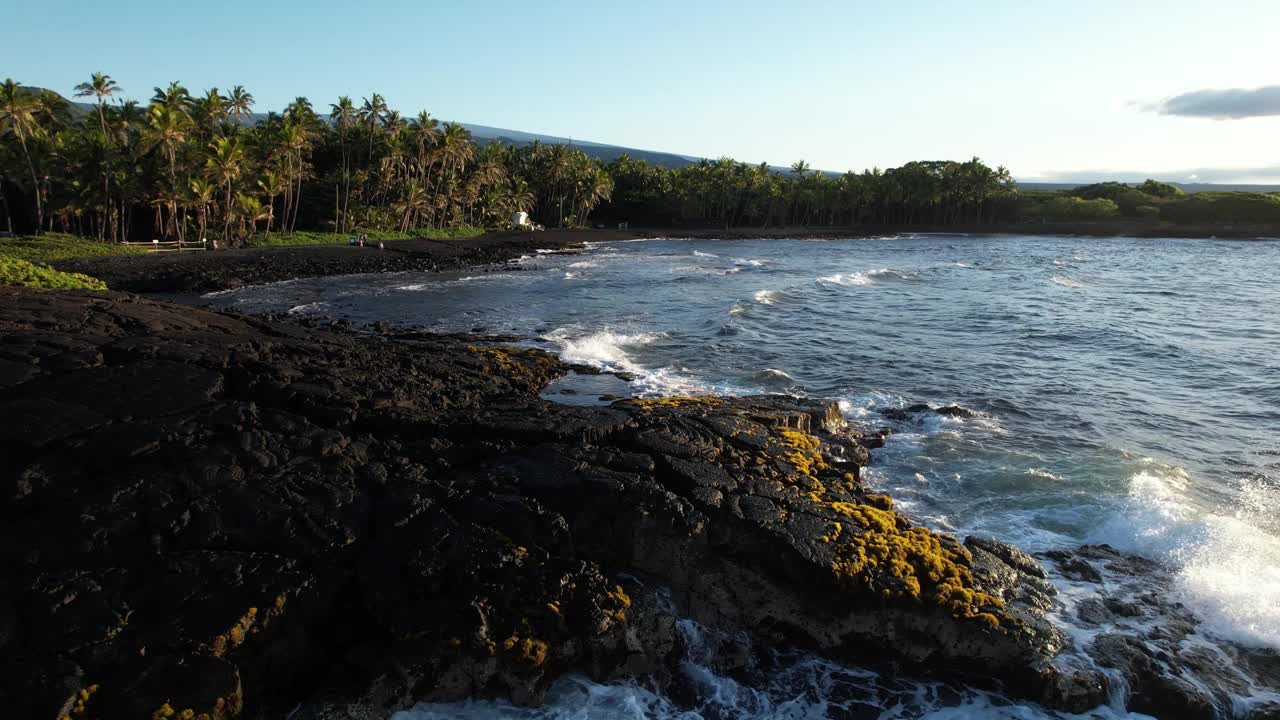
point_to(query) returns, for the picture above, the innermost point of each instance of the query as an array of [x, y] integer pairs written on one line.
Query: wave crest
[[868, 277]]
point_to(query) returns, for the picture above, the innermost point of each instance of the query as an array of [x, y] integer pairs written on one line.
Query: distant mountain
[[607, 153], [485, 134]]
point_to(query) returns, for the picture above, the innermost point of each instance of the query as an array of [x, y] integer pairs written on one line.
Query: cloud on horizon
[[1217, 176], [1227, 104]]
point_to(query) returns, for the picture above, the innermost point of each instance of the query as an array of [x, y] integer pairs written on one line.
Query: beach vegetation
[[25, 274]]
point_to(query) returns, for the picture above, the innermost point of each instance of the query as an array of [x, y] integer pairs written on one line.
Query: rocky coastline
[[217, 516]]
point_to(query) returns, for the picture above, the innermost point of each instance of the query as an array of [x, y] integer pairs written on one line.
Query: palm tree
[[240, 104], [52, 107], [294, 140], [343, 115], [415, 201], [300, 110], [224, 164], [209, 110], [102, 87], [559, 164], [519, 199], [372, 112], [249, 209], [169, 128], [271, 185], [457, 151], [202, 192], [17, 115], [425, 134], [175, 96]]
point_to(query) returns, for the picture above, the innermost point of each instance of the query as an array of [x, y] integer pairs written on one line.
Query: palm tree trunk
[[35, 183], [297, 199], [4, 200], [346, 180], [226, 219]]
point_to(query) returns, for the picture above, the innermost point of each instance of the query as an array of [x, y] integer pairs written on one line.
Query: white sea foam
[[738, 310], [751, 263], [1228, 563], [767, 297], [1067, 282], [1041, 473], [699, 253], [867, 277], [307, 308], [572, 275], [584, 264], [612, 351], [604, 349]]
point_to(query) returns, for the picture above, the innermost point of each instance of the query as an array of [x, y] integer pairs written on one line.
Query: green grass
[[59, 246], [14, 271], [328, 238]]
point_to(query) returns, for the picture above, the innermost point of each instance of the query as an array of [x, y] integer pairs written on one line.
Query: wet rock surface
[[1151, 643], [236, 516]]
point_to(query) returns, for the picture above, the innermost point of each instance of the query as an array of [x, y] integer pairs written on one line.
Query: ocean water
[[1127, 391]]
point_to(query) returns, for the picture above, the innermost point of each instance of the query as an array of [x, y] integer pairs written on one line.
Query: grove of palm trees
[[201, 165], [193, 165]]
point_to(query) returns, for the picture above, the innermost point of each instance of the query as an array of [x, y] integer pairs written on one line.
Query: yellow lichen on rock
[[234, 637], [672, 402], [921, 566], [515, 364], [623, 602], [82, 702], [802, 452], [528, 650]]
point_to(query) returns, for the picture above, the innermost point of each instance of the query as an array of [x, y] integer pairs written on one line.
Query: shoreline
[[200, 272]]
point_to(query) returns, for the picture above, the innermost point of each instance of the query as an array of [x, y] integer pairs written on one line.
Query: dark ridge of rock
[[234, 515], [911, 412]]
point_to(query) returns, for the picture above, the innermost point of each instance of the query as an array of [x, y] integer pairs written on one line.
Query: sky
[[1066, 91]]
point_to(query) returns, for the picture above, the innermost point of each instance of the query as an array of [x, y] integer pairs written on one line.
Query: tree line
[[192, 165]]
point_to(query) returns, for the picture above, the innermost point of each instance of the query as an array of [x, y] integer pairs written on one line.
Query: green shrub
[[1074, 208], [60, 246], [24, 274], [1126, 197], [1147, 212], [1224, 207], [1155, 188]]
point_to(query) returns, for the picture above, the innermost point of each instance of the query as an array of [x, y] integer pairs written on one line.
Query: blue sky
[[1047, 89]]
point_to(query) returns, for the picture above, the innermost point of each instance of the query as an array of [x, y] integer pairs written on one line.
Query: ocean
[[1124, 391]]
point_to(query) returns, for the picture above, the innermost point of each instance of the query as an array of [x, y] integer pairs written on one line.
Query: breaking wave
[[869, 277], [1228, 563], [767, 297]]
